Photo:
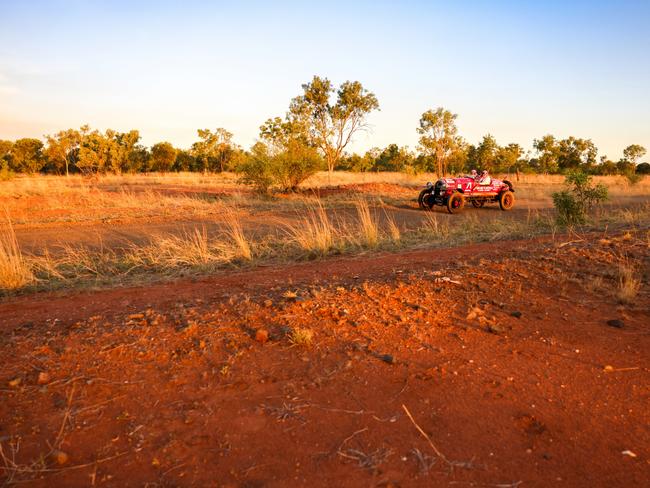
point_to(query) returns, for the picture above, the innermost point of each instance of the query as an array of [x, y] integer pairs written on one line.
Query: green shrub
[[574, 203], [294, 165], [255, 169], [284, 169]]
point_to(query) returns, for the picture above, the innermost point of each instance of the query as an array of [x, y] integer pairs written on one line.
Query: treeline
[[91, 151], [550, 156], [313, 135]]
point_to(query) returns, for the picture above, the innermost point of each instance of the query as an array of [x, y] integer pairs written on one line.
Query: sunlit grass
[[14, 270]]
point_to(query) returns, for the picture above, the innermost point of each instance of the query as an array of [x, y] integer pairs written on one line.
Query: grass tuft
[[368, 228], [315, 233], [15, 272], [301, 336], [394, 232], [241, 248], [628, 284]]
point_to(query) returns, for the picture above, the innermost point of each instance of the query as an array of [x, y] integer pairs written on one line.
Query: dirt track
[[55, 226], [497, 350]]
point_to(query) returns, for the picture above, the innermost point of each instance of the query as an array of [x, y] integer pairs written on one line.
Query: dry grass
[[190, 249], [193, 249], [432, 226], [628, 283], [367, 225], [241, 247], [315, 233], [340, 222], [301, 337], [394, 231], [15, 272]]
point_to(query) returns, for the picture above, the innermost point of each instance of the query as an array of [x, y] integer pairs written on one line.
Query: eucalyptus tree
[[439, 136], [329, 121]]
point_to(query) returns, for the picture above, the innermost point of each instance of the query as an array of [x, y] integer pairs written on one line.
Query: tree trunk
[[330, 169]]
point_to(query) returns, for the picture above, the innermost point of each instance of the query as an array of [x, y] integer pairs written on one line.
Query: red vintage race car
[[454, 193]]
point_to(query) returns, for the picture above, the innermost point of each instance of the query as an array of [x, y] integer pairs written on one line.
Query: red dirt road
[[501, 352]]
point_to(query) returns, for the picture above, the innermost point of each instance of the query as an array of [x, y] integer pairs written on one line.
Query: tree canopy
[[318, 127]]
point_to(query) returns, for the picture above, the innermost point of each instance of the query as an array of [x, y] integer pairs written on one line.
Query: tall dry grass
[[193, 249], [15, 272], [368, 229], [628, 283], [241, 246], [314, 233], [394, 231]]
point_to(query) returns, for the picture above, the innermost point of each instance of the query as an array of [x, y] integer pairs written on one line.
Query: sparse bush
[[294, 165], [574, 203], [256, 169], [286, 168]]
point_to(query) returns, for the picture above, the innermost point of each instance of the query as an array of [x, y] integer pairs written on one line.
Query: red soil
[[167, 385]]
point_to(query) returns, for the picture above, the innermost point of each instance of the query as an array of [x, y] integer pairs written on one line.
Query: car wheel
[[506, 200], [455, 203], [423, 193], [478, 203]]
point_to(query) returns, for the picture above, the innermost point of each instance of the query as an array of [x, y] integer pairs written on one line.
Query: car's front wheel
[[455, 203], [421, 198]]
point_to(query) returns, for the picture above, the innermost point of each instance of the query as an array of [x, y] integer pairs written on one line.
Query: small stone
[[268, 303], [136, 316], [495, 329], [516, 314], [290, 295], [43, 378], [60, 457], [608, 368], [262, 336], [387, 358], [615, 323], [15, 382], [628, 453]]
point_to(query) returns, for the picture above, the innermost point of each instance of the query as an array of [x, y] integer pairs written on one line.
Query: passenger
[[485, 178]]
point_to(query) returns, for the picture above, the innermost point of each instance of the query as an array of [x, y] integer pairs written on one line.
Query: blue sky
[[517, 70]]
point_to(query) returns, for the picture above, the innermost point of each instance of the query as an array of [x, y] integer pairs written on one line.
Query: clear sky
[[515, 69]]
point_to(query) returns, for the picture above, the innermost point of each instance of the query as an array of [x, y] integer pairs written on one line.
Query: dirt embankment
[[501, 353]]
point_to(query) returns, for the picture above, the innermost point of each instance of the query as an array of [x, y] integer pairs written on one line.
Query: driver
[[485, 178]]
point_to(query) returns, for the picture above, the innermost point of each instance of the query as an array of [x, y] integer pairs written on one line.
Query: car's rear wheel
[[478, 203], [455, 203], [506, 200], [421, 202]]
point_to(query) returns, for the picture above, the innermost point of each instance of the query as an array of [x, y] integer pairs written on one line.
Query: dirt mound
[[364, 188]]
